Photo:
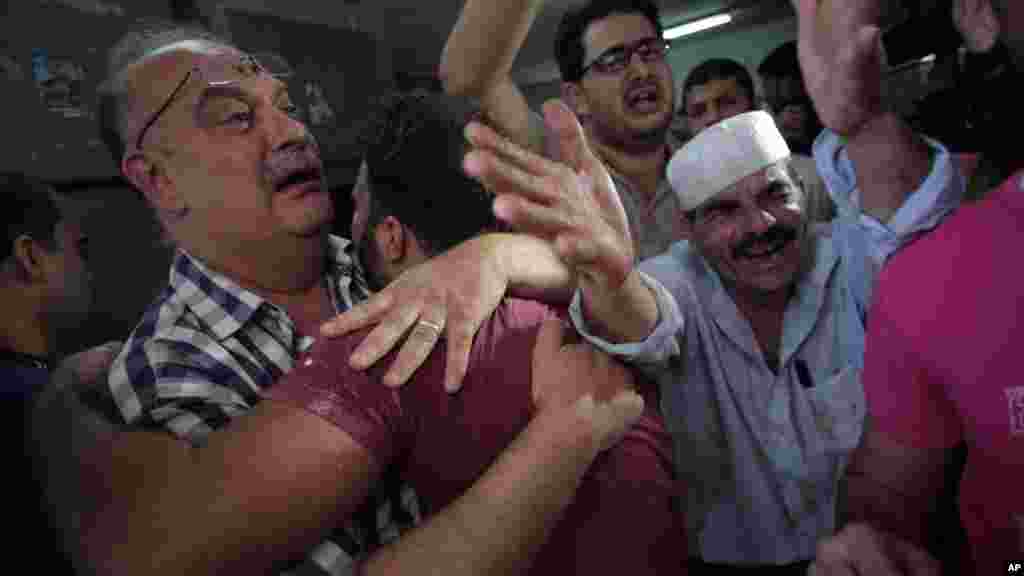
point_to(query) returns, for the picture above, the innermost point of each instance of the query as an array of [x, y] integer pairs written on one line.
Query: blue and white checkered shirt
[[202, 354]]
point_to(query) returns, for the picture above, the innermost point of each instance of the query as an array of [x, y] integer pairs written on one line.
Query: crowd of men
[[558, 340]]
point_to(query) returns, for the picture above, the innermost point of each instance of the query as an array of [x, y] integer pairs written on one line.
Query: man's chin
[[648, 132]]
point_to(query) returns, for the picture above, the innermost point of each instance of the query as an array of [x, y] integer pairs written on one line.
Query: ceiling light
[[697, 26]]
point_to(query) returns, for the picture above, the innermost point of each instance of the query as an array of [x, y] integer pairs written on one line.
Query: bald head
[[118, 94]]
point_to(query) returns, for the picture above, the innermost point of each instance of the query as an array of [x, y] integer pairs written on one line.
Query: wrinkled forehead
[[754, 184], [155, 75]]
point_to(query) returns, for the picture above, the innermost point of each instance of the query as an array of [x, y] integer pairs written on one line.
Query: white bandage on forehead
[[724, 154]]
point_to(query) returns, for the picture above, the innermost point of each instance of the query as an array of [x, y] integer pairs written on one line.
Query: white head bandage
[[724, 154]]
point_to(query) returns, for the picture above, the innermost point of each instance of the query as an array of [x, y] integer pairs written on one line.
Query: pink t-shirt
[[625, 516], [944, 357]]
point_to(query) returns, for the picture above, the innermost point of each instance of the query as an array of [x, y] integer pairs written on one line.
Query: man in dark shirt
[[44, 292], [412, 201]]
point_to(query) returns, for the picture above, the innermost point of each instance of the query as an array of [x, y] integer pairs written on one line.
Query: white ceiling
[[415, 30]]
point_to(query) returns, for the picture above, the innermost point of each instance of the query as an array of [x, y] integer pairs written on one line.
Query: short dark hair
[[720, 69], [113, 98], [569, 49], [27, 206], [414, 149], [781, 62]]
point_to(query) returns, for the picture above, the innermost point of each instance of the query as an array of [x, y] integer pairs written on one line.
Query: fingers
[[422, 339], [383, 338], [460, 345], [807, 14], [483, 138], [857, 549], [915, 561], [505, 177], [572, 145], [613, 419], [359, 316], [530, 217], [550, 338]]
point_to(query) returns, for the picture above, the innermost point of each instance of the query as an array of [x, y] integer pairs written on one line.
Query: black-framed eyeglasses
[[221, 71], [617, 58]]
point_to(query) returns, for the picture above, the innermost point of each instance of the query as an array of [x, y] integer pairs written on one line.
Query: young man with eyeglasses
[[615, 77], [45, 295]]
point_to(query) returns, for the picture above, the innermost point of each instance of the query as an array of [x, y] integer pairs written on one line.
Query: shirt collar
[[225, 307]]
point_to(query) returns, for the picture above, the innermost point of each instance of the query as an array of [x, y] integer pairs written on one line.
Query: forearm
[[499, 524], [484, 43], [261, 493], [868, 501], [628, 313], [891, 161], [531, 267]]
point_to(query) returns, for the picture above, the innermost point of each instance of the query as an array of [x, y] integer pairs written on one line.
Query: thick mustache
[[775, 234], [297, 160]]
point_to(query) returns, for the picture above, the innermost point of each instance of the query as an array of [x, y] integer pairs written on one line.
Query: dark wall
[[128, 262], [59, 142], [49, 128], [346, 65]]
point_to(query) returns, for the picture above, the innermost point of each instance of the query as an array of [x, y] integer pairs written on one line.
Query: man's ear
[[575, 99], [389, 235], [976, 20], [28, 255], [149, 177]]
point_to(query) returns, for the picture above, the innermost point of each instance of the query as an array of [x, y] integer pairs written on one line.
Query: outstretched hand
[[573, 203], [570, 373], [843, 61], [860, 549]]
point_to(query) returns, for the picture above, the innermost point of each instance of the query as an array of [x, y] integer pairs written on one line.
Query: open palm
[[843, 62]]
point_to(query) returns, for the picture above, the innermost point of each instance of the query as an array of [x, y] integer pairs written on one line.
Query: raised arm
[[262, 492], [477, 62], [843, 62], [574, 206], [889, 495]]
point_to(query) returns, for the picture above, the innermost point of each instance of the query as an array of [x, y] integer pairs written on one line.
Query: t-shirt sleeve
[[906, 401], [356, 402]]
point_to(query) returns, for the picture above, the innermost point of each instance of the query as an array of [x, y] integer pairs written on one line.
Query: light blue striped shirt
[[761, 452]]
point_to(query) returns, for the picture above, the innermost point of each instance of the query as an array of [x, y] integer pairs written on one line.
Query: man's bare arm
[[260, 494], [477, 63], [893, 487], [265, 491], [843, 61], [890, 491]]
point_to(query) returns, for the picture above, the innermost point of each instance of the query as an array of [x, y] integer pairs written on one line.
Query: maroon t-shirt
[[625, 517]]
